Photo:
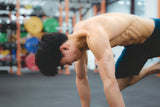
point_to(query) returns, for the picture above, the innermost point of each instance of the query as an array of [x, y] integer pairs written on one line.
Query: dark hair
[[48, 55]]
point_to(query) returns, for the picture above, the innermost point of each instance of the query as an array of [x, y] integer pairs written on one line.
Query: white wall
[[122, 6], [151, 8]]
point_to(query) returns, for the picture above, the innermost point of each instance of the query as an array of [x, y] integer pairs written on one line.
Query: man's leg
[[127, 81]]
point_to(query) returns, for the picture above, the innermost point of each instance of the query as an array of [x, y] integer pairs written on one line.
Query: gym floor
[[35, 90]]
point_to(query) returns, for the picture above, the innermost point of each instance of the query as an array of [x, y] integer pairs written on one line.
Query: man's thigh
[[131, 61]]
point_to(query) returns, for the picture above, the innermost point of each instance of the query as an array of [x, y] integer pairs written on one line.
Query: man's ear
[[64, 47]]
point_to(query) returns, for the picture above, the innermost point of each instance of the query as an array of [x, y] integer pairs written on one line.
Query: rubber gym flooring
[[35, 90]]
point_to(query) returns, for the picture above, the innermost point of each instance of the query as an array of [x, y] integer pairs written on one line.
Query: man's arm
[[82, 80], [98, 43]]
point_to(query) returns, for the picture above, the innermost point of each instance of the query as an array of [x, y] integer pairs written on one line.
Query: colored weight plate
[[23, 28], [39, 35], [30, 62], [3, 37], [33, 25], [24, 34], [51, 8], [31, 43], [24, 51], [5, 52], [50, 25]]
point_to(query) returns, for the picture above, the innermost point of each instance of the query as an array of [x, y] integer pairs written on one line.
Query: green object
[[3, 37], [23, 28], [24, 34], [50, 25], [23, 31]]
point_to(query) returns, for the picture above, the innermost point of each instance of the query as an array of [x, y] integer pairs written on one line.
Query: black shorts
[[133, 57]]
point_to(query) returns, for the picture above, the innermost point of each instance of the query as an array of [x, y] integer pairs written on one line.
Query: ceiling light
[[121, 2], [139, 3]]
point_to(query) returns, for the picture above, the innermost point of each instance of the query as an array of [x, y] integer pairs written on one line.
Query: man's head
[[48, 53], [56, 49]]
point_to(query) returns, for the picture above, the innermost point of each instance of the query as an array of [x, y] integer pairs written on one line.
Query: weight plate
[[24, 34], [24, 51], [33, 25], [50, 25], [5, 52], [51, 8], [30, 62], [38, 35], [31, 43], [3, 37], [23, 28]]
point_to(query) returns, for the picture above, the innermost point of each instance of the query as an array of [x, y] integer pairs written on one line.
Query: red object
[[30, 62]]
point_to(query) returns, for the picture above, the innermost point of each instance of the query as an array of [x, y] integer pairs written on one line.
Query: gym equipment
[[3, 37], [13, 45], [38, 35], [30, 62], [5, 52], [1, 63], [8, 62], [31, 43], [11, 6], [13, 25], [50, 25], [37, 11], [4, 15], [33, 25], [3, 6], [3, 26], [13, 63], [23, 31], [23, 34], [6, 46], [9, 46], [24, 51]]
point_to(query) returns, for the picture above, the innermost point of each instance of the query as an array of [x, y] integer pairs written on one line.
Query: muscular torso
[[122, 29]]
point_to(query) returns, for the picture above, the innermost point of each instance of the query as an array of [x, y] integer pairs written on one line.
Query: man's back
[[122, 29]]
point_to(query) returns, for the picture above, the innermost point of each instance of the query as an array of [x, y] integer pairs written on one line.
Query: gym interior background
[[23, 22]]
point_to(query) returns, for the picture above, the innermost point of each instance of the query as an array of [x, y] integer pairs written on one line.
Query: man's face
[[69, 56]]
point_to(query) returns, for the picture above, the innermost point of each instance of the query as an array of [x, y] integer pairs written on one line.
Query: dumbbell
[[11, 6], [13, 45], [3, 26], [9, 46], [6, 62], [6, 46], [11, 63], [13, 25], [3, 6], [1, 63]]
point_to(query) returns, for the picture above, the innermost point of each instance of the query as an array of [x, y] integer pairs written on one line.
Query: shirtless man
[[99, 34]]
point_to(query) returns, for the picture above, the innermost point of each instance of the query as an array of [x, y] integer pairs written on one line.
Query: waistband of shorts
[[156, 31]]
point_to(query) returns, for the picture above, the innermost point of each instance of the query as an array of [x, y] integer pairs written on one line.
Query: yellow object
[[5, 52], [24, 51], [39, 35], [28, 6], [33, 25]]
